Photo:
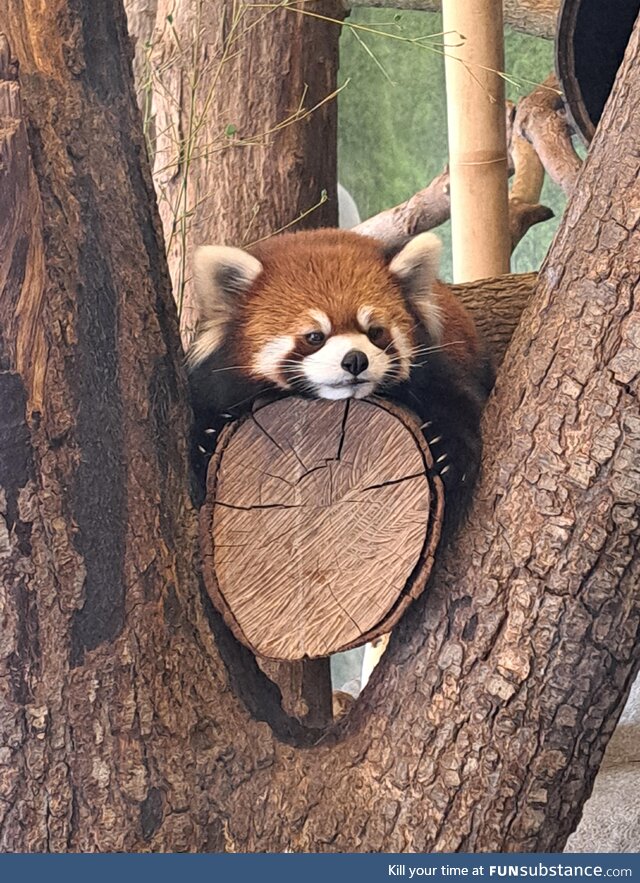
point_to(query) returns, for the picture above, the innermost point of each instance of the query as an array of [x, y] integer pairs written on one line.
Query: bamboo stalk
[[478, 159]]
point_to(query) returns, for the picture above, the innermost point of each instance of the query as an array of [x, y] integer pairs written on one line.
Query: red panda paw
[[441, 459]]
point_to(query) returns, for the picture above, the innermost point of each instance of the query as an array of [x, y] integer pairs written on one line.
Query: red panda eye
[[315, 338], [375, 333]]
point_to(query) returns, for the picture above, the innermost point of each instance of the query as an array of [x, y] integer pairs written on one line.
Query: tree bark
[[130, 719], [496, 306], [535, 17], [92, 451], [242, 123], [141, 21], [543, 122]]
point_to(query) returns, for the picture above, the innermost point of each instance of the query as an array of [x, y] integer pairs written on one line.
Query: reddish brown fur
[[329, 270], [459, 332], [341, 272], [338, 272]]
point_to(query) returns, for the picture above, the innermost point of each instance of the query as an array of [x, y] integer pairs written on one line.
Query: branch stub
[[320, 524]]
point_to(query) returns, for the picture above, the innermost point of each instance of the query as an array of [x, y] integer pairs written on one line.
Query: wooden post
[[477, 138]]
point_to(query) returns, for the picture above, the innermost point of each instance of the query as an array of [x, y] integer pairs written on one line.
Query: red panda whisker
[[426, 361], [237, 404], [232, 368], [391, 343], [427, 346], [434, 349], [420, 351], [413, 328]]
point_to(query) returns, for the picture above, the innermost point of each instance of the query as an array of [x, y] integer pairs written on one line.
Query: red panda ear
[[221, 273], [416, 266]]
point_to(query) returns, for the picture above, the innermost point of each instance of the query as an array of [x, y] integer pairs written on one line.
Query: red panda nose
[[355, 362]]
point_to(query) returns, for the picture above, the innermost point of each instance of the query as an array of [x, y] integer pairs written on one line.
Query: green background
[[392, 115]]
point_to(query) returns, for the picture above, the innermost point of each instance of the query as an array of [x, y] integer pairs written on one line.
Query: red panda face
[[322, 313], [350, 356]]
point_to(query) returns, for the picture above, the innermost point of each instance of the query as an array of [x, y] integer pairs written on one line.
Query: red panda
[[328, 314]]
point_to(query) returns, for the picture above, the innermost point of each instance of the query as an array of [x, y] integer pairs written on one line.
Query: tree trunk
[[536, 17], [92, 447], [242, 120], [129, 716], [200, 69]]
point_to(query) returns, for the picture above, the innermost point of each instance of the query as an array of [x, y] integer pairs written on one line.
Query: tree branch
[[425, 210], [485, 723], [496, 306], [431, 207], [542, 121], [536, 17], [525, 209]]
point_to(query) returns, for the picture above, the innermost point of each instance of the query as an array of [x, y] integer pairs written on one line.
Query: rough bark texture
[[496, 306], [92, 453], [542, 120], [242, 121], [291, 532], [537, 17], [141, 21], [121, 724]]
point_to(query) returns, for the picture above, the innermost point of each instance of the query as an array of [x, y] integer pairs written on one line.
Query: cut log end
[[320, 524]]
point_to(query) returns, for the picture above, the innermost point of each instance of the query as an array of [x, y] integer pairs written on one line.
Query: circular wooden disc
[[320, 524]]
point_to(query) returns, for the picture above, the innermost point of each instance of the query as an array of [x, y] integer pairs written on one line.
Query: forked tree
[[130, 718]]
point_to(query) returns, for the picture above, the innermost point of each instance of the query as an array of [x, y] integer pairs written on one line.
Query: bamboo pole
[[477, 139]]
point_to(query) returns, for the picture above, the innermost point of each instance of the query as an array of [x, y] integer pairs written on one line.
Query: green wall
[[393, 128]]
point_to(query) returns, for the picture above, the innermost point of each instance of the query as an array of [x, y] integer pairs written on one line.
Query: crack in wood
[[343, 430]]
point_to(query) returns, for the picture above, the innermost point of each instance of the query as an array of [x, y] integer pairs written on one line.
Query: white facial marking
[[324, 372], [363, 316], [403, 351], [321, 321], [268, 362]]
